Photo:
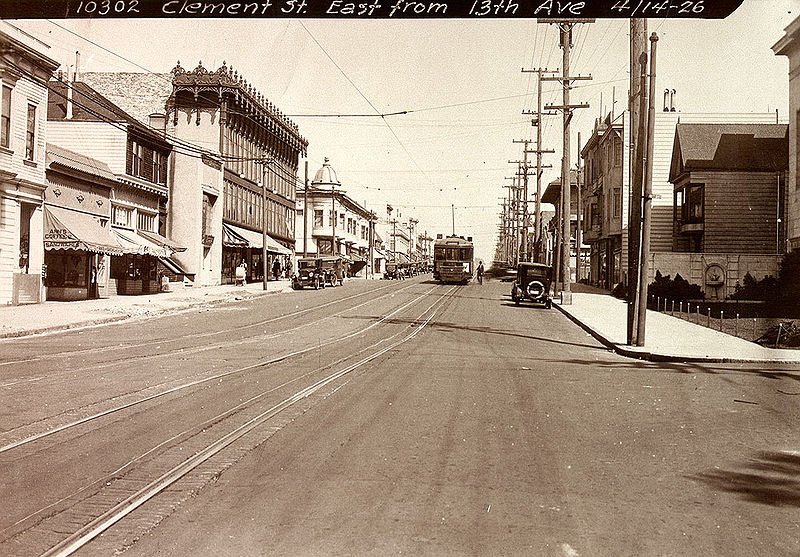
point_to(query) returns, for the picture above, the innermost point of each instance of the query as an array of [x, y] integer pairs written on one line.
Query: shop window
[[26, 213], [5, 117], [30, 133], [121, 216], [67, 269]]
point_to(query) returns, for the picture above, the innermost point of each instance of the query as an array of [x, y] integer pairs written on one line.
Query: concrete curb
[[160, 312], [655, 357]]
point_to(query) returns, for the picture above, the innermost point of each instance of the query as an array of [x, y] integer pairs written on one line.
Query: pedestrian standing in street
[[480, 272]]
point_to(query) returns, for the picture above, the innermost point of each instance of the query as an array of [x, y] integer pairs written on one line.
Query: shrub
[[765, 289], [789, 279], [620, 291], [674, 289]]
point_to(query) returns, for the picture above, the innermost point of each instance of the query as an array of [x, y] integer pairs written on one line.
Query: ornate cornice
[[232, 89]]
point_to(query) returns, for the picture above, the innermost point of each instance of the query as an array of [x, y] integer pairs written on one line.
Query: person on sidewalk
[[276, 268], [480, 272]]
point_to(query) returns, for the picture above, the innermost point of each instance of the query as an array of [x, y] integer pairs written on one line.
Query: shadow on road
[[770, 478]]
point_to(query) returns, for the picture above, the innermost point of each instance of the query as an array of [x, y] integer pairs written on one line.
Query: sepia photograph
[[423, 277]]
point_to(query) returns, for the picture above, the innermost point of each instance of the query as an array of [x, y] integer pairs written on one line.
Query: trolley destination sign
[[367, 9]]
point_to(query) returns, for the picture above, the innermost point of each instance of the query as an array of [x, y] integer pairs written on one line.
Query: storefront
[[77, 249], [241, 244], [137, 271]]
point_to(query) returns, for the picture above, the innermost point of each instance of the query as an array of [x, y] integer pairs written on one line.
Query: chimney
[[69, 96], [158, 121], [438, 236], [672, 101], [77, 64], [666, 100]]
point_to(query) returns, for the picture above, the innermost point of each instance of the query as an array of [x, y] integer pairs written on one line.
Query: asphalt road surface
[[380, 418]]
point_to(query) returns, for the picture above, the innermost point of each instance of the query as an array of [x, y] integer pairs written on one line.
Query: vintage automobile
[[309, 273], [333, 269], [532, 283], [392, 271]]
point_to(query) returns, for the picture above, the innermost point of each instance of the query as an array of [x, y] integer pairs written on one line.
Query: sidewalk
[[17, 321], [667, 338]]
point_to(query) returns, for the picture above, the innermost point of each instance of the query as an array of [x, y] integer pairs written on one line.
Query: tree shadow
[[769, 478]]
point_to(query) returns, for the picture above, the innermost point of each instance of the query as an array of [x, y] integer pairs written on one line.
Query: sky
[[459, 82]]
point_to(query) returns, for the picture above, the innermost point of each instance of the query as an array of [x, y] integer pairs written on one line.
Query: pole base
[[566, 298]]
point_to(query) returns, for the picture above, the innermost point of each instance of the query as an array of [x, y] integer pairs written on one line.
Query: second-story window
[[147, 222], [121, 216], [30, 133], [159, 168], [5, 117], [318, 218], [137, 164]]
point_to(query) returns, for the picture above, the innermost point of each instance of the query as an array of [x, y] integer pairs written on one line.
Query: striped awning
[[66, 229], [133, 243]]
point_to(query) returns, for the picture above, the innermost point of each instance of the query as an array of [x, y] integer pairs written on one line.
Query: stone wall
[[716, 273]]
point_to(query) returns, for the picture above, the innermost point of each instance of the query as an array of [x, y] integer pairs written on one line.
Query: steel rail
[[277, 359], [194, 335], [94, 528]]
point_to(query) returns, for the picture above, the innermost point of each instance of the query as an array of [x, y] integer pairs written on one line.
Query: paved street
[[389, 417]]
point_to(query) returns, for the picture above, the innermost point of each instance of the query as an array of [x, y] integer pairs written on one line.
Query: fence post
[[721, 318], [754, 329], [737, 325], [698, 314], [708, 318], [672, 311], [680, 313]]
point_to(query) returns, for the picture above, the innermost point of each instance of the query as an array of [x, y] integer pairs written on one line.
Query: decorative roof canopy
[[226, 81], [326, 176]]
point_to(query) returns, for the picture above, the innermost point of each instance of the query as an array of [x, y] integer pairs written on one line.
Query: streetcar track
[[222, 344], [132, 501], [111, 348], [191, 384]]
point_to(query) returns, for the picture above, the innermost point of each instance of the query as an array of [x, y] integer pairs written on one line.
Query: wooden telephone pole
[[565, 28], [537, 121]]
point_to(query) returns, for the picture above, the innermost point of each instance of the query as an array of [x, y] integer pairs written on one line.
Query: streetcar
[[453, 259]]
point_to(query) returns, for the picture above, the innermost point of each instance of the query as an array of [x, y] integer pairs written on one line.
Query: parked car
[[333, 270], [532, 284], [309, 273], [391, 271]]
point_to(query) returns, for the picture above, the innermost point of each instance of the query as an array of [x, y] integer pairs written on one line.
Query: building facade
[[235, 175], [606, 187], [334, 223], [137, 156], [25, 69], [789, 46]]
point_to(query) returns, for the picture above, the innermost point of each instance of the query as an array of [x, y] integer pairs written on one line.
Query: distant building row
[[107, 192]]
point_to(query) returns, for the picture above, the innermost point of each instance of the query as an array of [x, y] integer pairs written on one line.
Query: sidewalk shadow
[[770, 478], [441, 325], [710, 368]]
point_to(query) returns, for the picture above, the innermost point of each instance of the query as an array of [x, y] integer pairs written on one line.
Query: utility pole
[[638, 48], [565, 28], [648, 195], [523, 169], [305, 214], [579, 211], [537, 121]]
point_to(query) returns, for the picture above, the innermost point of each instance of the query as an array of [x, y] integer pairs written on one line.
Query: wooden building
[[84, 121], [729, 184], [24, 71]]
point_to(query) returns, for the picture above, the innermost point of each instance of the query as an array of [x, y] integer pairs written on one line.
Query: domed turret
[[325, 176]]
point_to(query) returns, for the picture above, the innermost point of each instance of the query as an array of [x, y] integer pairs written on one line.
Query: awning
[[253, 239], [66, 229], [160, 240], [133, 243], [231, 239], [172, 265]]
